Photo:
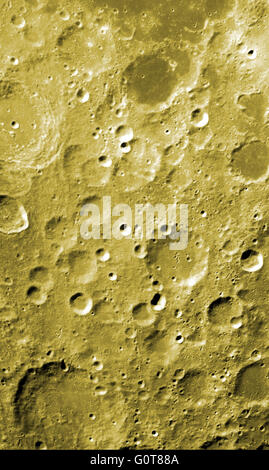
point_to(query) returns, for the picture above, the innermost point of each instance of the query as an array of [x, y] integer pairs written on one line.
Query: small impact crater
[[251, 261], [13, 216], [219, 310]]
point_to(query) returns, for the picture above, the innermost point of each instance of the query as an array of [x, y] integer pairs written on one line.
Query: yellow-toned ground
[[109, 344]]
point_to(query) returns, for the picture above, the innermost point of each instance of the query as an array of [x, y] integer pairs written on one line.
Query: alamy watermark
[[144, 222]]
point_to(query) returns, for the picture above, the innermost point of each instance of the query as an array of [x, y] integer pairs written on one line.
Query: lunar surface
[[121, 342]]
